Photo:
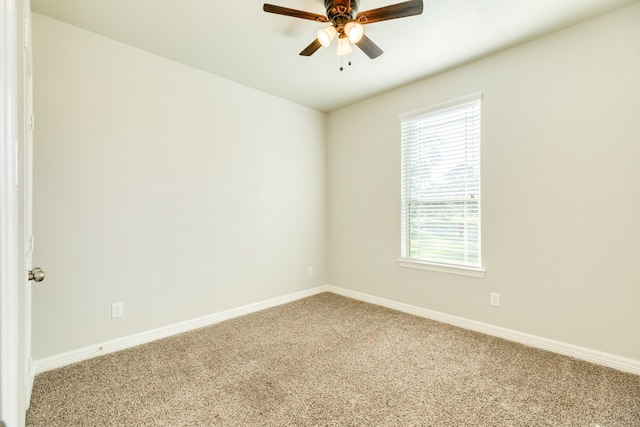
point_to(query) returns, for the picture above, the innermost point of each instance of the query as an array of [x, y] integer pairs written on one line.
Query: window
[[441, 187]]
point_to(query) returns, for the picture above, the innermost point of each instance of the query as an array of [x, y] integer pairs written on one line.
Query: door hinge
[[25, 39], [32, 122], [31, 244]]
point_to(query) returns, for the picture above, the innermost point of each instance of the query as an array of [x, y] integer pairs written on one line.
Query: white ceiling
[[238, 41]]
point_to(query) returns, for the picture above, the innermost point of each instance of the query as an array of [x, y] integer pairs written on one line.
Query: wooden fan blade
[[369, 47], [394, 11], [271, 8], [311, 49]]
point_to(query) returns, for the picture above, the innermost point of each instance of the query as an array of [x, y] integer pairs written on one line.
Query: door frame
[[10, 268]]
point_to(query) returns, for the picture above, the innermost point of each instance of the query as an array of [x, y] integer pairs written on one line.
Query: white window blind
[[441, 184]]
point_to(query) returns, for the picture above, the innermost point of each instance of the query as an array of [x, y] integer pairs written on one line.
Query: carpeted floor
[[333, 361]]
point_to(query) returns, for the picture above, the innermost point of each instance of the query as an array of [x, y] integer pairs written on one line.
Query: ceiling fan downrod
[[340, 12]]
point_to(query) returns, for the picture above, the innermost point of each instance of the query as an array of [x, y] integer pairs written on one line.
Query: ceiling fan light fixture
[[348, 23], [344, 46], [326, 35], [354, 31]]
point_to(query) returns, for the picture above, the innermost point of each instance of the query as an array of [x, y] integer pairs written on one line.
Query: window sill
[[462, 271]]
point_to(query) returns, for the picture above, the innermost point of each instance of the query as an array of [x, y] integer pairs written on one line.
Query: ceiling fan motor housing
[[340, 12]]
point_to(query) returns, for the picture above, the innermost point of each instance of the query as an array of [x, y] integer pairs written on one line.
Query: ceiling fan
[[347, 23]]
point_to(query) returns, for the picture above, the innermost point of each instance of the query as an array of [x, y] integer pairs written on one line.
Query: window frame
[[405, 259]]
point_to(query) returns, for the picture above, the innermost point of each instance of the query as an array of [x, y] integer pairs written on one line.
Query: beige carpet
[[333, 361]]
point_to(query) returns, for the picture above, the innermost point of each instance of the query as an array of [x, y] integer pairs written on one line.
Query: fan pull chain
[[341, 67]]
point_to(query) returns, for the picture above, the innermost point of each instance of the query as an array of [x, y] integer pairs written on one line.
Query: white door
[[15, 211], [26, 192]]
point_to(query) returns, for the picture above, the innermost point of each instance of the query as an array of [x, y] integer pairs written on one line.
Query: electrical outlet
[[494, 299], [117, 309], [310, 271]]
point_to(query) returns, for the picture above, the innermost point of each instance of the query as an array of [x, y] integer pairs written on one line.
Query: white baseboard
[[582, 353], [85, 353]]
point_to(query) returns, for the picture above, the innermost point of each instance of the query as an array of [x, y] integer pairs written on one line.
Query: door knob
[[37, 275]]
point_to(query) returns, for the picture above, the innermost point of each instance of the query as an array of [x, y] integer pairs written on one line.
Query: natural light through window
[[441, 186]]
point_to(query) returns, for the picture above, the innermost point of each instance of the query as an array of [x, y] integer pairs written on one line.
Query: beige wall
[[176, 192], [560, 187]]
